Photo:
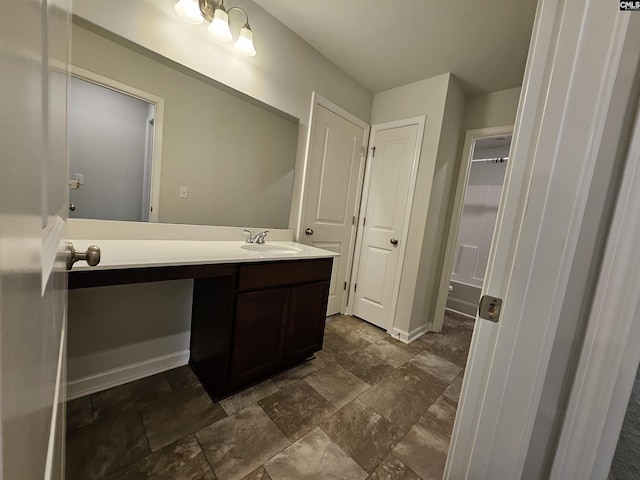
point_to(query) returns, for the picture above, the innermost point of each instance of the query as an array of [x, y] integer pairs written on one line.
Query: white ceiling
[[383, 44]]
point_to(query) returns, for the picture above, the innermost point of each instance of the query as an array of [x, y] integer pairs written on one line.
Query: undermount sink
[[270, 248]]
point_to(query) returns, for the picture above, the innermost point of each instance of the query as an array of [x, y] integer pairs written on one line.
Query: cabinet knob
[[394, 242], [308, 231]]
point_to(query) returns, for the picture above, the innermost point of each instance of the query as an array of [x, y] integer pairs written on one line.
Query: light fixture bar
[[218, 18], [208, 8]]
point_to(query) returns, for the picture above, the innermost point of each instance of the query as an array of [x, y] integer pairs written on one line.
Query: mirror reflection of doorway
[[477, 223], [113, 129]]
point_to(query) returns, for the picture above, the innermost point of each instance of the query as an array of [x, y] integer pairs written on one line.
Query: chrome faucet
[[261, 237], [258, 238]]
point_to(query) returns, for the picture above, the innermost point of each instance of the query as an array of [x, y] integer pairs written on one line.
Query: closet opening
[[482, 195]]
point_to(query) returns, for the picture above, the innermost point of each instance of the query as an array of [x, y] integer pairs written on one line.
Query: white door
[[560, 128], [33, 193], [335, 165], [388, 184]]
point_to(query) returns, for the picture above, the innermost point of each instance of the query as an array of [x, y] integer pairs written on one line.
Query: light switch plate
[[184, 192], [79, 178]]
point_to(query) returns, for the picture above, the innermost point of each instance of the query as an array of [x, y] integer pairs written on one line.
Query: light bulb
[[189, 11], [219, 27], [244, 44]]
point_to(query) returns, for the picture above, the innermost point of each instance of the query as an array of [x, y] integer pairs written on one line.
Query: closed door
[[387, 186], [335, 160], [33, 183]]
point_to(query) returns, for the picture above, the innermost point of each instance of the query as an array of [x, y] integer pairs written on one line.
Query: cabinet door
[[258, 334], [307, 315]]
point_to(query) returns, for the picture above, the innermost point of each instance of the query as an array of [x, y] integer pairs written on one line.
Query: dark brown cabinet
[[275, 328], [248, 320], [277, 321]]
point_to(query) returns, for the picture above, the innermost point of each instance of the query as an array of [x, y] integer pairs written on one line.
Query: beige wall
[[493, 109], [111, 327], [439, 215], [441, 100]]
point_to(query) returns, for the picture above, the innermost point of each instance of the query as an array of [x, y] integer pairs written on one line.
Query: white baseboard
[[470, 317], [128, 373], [408, 337]]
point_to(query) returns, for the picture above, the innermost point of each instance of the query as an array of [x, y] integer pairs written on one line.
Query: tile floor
[[367, 407], [626, 461]]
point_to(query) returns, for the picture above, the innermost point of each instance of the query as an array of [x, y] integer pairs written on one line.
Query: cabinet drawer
[[270, 275]]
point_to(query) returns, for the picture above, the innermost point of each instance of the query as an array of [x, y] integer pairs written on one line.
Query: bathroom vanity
[[255, 310]]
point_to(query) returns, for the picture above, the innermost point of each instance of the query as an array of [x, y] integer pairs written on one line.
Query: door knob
[[308, 231], [72, 207], [91, 256], [394, 242]]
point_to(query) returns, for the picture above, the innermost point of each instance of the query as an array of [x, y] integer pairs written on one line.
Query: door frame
[[158, 124], [146, 210], [456, 214], [420, 121], [570, 74], [318, 100], [611, 353]]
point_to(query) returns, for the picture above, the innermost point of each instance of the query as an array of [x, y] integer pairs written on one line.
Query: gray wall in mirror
[[107, 151], [235, 155]]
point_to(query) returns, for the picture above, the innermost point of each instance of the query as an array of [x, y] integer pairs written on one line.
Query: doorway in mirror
[[111, 146]]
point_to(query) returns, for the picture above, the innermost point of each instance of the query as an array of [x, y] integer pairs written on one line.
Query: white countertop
[[119, 254]]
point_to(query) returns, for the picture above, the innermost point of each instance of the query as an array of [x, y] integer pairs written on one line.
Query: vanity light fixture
[[189, 11], [196, 11]]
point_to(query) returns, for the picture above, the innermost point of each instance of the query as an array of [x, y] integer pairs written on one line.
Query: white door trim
[[611, 351], [329, 105], [569, 78], [420, 122], [318, 100], [158, 123], [456, 214]]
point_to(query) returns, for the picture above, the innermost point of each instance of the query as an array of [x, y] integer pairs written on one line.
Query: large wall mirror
[[151, 140]]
